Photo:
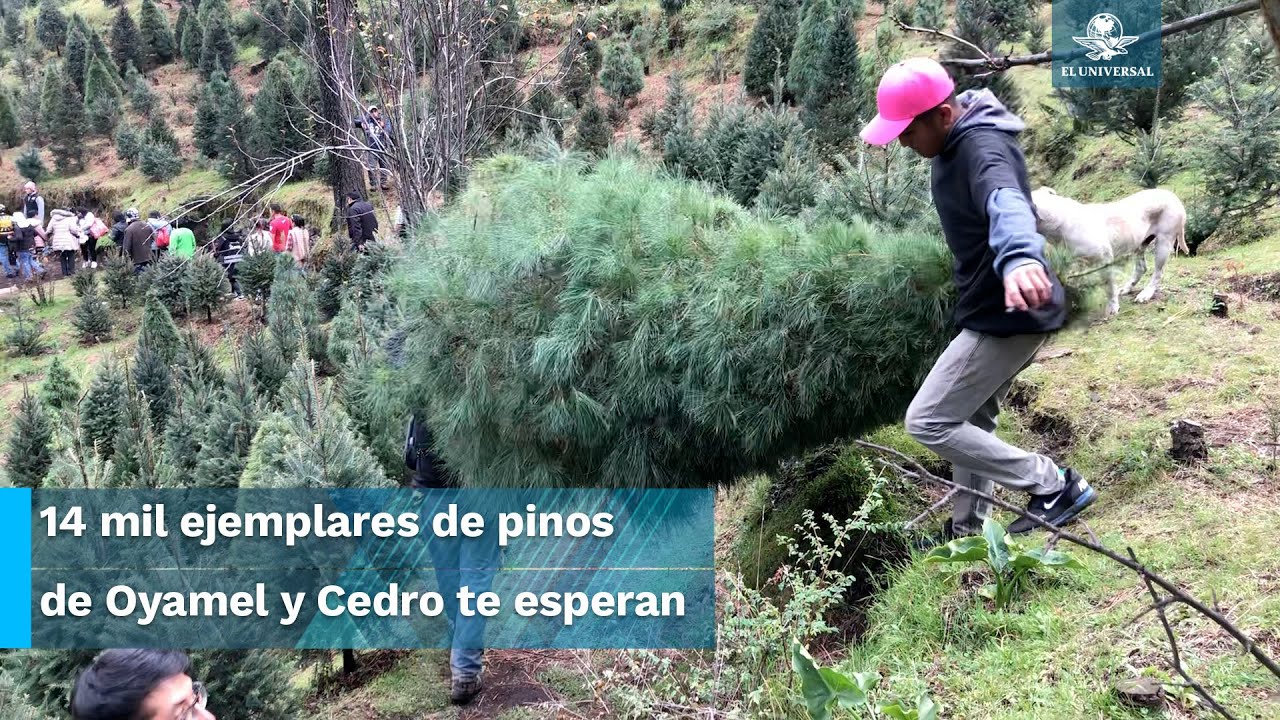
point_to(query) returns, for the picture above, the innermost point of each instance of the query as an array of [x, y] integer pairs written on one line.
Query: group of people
[[28, 238]]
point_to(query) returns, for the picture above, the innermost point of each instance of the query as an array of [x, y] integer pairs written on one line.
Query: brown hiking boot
[[464, 690]]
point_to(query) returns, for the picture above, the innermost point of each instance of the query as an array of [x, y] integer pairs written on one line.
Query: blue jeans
[[470, 563], [28, 266], [9, 268]]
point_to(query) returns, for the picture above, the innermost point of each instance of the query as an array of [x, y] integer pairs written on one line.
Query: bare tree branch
[[999, 64]]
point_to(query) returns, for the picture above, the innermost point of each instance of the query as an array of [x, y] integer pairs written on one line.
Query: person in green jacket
[[182, 242]]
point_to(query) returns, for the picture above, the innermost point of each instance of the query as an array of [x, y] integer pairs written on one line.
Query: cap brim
[[882, 131]]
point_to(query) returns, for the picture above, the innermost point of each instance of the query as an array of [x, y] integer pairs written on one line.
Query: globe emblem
[[1105, 38], [1105, 27]]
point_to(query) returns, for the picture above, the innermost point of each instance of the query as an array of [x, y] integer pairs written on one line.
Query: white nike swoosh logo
[[1049, 506]]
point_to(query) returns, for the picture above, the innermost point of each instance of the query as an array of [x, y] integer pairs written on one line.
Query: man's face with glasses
[[178, 698]]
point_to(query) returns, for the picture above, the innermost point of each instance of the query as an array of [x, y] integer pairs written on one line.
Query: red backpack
[[162, 237]]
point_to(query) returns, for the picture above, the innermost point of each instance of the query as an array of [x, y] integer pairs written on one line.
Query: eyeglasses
[[202, 699]]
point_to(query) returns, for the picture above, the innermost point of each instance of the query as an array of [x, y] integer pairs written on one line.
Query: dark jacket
[[229, 248], [33, 206], [137, 242], [361, 222], [981, 155], [24, 238], [117, 233]]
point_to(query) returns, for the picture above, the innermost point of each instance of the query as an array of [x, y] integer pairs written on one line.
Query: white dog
[[1107, 232]]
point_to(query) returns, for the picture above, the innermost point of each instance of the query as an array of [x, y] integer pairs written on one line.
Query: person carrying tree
[[139, 683], [1009, 299], [361, 222]]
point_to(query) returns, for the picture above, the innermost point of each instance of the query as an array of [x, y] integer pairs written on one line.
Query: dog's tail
[[1180, 240]]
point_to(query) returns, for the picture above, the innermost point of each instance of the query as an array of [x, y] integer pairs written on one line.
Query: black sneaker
[[464, 690], [925, 543], [1058, 508]]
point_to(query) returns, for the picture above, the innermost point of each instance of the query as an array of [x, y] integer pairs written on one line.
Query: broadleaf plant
[[1011, 565]]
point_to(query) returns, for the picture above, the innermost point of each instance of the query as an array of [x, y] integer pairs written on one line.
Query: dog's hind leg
[[1139, 269], [1164, 248]]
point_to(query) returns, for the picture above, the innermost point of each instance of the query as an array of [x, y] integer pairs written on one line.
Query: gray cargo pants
[[954, 415]]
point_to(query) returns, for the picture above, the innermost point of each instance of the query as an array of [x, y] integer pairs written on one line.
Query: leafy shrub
[[30, 164], [1010, 564], [717, 22], [824, 688]]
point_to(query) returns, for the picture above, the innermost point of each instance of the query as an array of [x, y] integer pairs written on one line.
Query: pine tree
[[683, 152], [121, 284], [217, 44], [99, 86], [273, 28], [29, 457], [197, 367], [45, 677], [208, 288], [769, 49], [266, 364], [672, 7], [810, 47], [319, 448], [932, 13], [9, 134], [158, 333], [280, 121], [30, 164], [250, 683], [51, 26], [77, 56], [126, 41], [60, 390], [140, 94], [594, 134], [834, 109], [103, 115], [182, 432], [299, 22], [129, 140], [580, 77], [227, 436], [678, 105], [793, 185], [219, 126], [759, 154], [154, 379], [93, 319], [180, 28], [68, 125], [256, 273], [158, 132], [335, 273], [50, 98], [622, 75], [27, 337], [137, 462], [158, 45], [158, 162], [541, 111], [103, 409], [191, 42]]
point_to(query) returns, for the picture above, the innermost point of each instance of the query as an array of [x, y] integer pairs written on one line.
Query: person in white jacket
[[64, 238], [88, 237]]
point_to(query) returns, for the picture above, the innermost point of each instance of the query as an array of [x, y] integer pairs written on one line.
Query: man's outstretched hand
[[1027, 287]]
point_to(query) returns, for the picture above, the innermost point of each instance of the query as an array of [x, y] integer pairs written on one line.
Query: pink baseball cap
[[909, 88]]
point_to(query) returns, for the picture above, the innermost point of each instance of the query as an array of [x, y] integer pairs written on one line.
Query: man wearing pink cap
[[1009, 299]]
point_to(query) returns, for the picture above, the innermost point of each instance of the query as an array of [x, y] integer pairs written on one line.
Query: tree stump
[[1188, 444], [1219, 306]]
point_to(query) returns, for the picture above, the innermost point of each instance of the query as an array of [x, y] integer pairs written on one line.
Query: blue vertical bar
[[15, 567]]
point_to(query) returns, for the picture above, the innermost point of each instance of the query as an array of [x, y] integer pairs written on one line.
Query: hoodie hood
[[59, 214], [982, 109]]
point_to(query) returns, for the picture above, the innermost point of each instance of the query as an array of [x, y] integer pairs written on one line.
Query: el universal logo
[[1105, 39]]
